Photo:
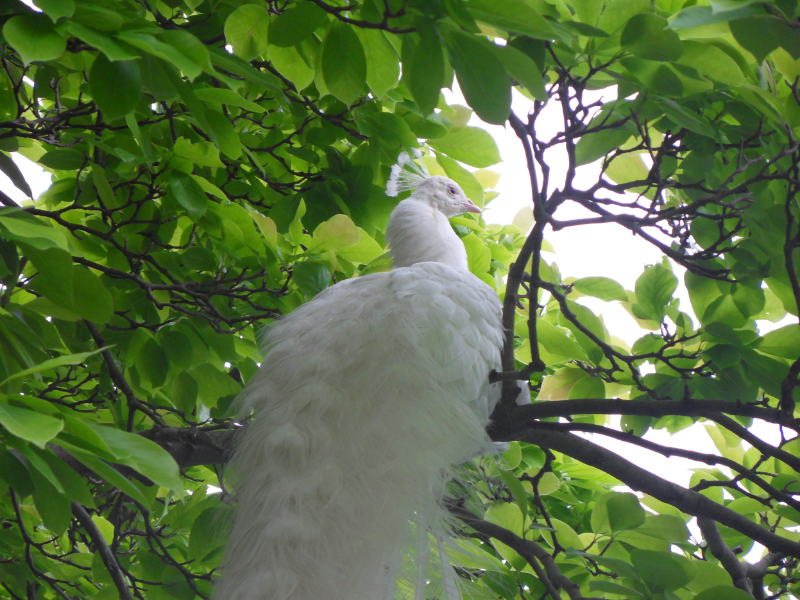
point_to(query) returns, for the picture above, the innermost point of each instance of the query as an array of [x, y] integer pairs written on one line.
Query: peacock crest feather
[[407, 174]]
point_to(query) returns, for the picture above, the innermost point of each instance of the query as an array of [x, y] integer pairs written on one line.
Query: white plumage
[[366, 396]]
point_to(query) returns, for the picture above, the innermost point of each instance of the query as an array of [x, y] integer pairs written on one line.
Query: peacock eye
[[452, 190]]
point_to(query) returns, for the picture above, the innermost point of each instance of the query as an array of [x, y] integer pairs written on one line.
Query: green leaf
[[513, 456], [74, 486], [293, 66], [334, 234], [566, 535], [392, 130], [157, 76], [34, 37], [90, 298], [685, 118], [723, 592], [203, 154], [604, 288], [146, 457], [508, 516], [178, 347], [219, 96], [479, 256], [481, 76], [665, 527], [523, 69], [106, 472], [648, 36], [295, 24], [362, 253], [584, 29], [189, 48], [661, 571], [224, 134], [53, 363], [152, 45], [188, 193], [593, 146], [116, 87], [512, 15], [749, 300], [760, 35], [470, 145], [613, 588], [29, 425], [628, 168], [588, 10], [383, 68], [654, 289], [555, 341], [424, 73], [14, 472], [712, 62], [234, 64], [104, 189], [114, 49], [588, 387], [208, 531], [515, 487], [344, 65], [184, 392], [174, 583], [11, 170], [247, 29], [311, 277], [783, 342], [55, 9], [36, 463], [709, 575], [77, 432], [213, 384], [699, 16], [153, 364], [618, 12], [52, 505], [64, 159], [624, 512]]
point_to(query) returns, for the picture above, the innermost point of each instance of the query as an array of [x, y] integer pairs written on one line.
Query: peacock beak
[[469, 206]]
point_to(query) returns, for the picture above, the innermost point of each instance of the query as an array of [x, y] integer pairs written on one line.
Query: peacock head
[[444, 195], [441, 193]]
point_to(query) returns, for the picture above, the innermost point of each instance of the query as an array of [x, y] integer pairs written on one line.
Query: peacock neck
[[418, 233]]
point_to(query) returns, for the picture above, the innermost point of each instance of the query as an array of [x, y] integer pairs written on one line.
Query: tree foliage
[[217, 163]]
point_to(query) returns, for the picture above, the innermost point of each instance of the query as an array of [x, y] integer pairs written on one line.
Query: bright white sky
[[596, 250]]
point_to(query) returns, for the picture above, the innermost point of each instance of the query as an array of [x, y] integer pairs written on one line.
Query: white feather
[[407, 174], [366, 397]]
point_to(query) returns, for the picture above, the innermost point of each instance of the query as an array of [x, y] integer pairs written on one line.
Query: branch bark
[[527, 549], [719, 549], [642, 480], [108, 558], [520, 416]]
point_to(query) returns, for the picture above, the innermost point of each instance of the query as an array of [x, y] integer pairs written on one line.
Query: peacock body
[[365, 396]]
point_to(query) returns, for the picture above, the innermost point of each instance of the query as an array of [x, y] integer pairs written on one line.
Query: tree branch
[[520, 416], [719, 549], [639, 479], [108, 558], [119, 378], [527, 549]]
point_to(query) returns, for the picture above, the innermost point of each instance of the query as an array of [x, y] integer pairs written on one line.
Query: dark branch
[[642, 480], [108, 558]]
